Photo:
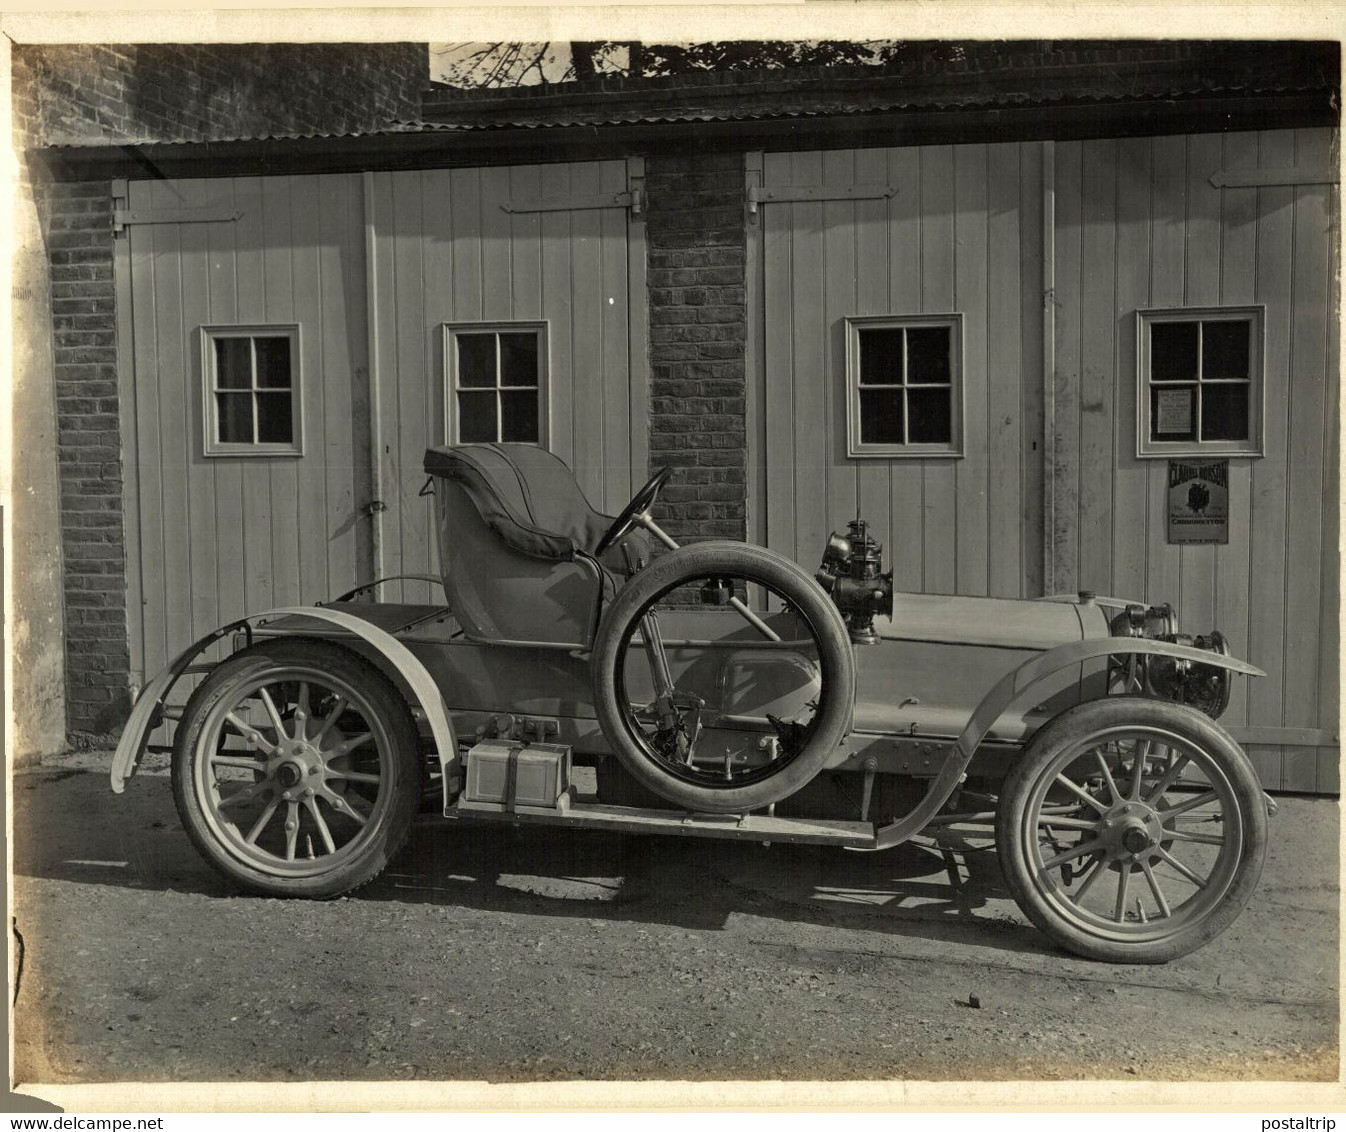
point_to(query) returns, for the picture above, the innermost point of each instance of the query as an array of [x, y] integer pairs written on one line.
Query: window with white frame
[[1200, 382], [496, 382], [251, 384], [904, 385]]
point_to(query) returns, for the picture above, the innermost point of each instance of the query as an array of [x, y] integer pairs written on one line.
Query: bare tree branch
[[535, 64], [520, 64]]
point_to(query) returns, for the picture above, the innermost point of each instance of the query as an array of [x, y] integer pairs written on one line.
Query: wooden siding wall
[[445, 251], [1137, 224], [1140, 225], [962, 233], [211, 539]]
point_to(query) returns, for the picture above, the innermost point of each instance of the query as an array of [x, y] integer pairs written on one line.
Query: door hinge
[[758, 195], [631, 198], [122, 217]]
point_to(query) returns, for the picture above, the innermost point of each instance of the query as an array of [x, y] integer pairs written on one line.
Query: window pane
[[275, 418], [1173, 351], [930, 419], [518, 359], [235, 418], [273, 363], [233, 363], [518, 416], [476, 417], [928, 355], [1226, 348], [476, 360], [1224, 412], [880, 416], [1173, 413], [881, 357]]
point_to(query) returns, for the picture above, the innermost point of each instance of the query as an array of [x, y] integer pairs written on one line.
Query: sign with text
[[1198, 501], [1173, 412]]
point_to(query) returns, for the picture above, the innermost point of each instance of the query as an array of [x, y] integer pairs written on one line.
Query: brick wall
[[698, 424], [77, 219], [80, 94], [100, 94]]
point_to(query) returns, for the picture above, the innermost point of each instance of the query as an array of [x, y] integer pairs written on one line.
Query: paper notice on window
[[1173, 413]]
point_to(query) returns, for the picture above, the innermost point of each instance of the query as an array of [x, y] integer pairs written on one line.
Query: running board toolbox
[[506, 773]]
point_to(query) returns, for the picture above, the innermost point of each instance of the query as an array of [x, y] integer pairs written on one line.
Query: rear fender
[[1017, 684], [148, 710]]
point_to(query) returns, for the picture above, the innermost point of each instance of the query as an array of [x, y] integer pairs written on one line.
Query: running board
[[630, 819]]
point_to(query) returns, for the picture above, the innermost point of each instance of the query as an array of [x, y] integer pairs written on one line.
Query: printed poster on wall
[[1198, 501]]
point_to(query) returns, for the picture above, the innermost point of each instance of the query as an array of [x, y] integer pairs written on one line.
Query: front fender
[[1022, 679], [1018, 683], [148, 710]]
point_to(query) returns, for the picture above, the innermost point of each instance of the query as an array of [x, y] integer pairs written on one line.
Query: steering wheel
[[640, 503]]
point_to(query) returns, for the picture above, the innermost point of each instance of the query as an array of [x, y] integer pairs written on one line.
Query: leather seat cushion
[[531, 499]]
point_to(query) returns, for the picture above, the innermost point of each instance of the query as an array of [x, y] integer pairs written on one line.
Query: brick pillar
[[78, 224], [698, 421]]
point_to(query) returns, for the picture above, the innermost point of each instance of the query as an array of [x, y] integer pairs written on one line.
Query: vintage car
[[717, 690]]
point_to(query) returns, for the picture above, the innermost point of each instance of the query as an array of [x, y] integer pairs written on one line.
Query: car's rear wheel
[[706, 756], [295, 770], [1132, 830]]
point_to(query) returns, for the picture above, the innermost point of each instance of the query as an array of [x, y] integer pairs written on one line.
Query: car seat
[[516, 545]]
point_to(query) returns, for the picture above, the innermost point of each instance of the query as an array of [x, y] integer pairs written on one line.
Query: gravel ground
[[489, 953]]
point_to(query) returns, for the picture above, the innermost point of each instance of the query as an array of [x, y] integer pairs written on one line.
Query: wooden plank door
[[1151, 223], [213, 537], [539, 244], [954, 231]]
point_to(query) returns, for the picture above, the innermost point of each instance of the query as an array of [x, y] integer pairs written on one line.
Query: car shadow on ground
[[68, 826]]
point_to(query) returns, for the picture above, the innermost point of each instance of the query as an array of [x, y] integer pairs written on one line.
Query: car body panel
[[991, 622], [941, 663], [903, 684], [461, 684]]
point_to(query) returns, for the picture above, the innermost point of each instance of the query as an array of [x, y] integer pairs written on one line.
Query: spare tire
[[802, 747]]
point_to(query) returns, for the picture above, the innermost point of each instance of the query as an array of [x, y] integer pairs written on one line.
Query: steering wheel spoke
[[635, 513]]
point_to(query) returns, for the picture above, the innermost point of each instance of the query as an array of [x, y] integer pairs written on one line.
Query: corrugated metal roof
[[1006, 75], [813, 108], [133, 141], [986, 75]]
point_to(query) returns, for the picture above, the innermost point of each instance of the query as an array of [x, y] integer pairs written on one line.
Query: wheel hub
[[1131, 830], [1136, 839], [298, 762]]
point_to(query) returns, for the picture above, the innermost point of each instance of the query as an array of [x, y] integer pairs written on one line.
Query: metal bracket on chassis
[[148, 710], [1011, 687]]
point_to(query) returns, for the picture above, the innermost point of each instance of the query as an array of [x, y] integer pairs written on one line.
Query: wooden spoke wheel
[[295, 769], [1132, 830]]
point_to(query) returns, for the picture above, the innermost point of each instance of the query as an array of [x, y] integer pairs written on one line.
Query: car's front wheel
[[295, 769], [1132, 830]]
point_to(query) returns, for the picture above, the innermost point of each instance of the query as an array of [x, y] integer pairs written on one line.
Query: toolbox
[[509, 773]]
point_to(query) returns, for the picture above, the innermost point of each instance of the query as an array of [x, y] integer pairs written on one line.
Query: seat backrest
[[525, 494]]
